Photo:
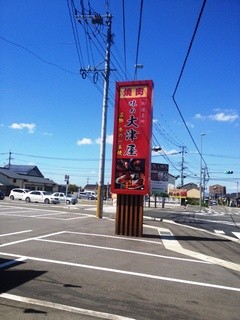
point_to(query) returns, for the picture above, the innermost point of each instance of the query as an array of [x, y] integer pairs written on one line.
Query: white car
[[63, 199], [40, 196], [18, 194]]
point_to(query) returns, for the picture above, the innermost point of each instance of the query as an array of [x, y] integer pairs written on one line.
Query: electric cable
[[138, 39], [124, 36], [180, 77], [75, 34], [37, 56]]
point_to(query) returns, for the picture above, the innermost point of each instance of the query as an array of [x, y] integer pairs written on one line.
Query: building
[[24, 176], [171, 182], [192, 190], [217, 191]]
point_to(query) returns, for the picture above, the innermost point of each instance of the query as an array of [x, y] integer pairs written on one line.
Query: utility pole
[[182, 166], [104, 120], [201, 172], [99, 19], [9, 159]]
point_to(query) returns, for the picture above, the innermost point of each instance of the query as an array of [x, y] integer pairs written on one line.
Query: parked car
[[87, 195], [63, 199], [2, 195], [213, 203], [41, 196], [18, 194]]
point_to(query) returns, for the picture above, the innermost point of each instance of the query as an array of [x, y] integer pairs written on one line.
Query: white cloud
[[109, 139], [49, 134], [171, 152], [20, 126], [190, 125], [198, 116], [84, 141], [223, 117], [228, 116]]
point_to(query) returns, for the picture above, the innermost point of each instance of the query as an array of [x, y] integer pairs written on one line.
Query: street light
[[200, 184], [156, 148], [137, 66]]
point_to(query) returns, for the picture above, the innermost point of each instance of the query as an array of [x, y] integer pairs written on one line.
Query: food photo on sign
[[130, 174]]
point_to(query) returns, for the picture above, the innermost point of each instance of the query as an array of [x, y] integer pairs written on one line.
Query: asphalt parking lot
[[64, 263]]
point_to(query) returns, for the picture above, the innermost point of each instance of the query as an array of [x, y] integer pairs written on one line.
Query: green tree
[[72, 188]]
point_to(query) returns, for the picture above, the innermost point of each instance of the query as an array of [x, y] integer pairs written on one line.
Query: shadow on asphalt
[[190, 238], [10, 279]]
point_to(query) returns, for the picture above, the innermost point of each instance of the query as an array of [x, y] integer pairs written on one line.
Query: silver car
[[63, 199], [87, 195]]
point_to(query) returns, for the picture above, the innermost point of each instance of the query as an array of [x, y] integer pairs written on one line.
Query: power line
[[180, 77], [138, 40], [37, 56], [75, 33], [56, 158], [124, 36]]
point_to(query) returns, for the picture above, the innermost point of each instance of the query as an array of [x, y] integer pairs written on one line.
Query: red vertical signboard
[[132, 137]]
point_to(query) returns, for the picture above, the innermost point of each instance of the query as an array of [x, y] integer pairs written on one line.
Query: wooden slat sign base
[[129, 215]]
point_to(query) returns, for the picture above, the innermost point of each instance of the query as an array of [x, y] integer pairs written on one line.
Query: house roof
[[91, 186], [25, 169], [28, 178], [190, 186], [10, 174]]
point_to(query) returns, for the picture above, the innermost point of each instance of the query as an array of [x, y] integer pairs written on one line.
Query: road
[[60, 262], [217, 219]]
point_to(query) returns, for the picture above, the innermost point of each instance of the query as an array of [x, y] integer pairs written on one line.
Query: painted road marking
[[28, 239], [230, 238], [128, 273], [43, 238], [219, 231], [237, 234], [121, 250], [229, 223], [12, 262], [14, 233], [47, 304], [49, 216], [172, 244]]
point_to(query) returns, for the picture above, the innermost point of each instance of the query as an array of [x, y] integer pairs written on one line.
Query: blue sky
[[51, 117]]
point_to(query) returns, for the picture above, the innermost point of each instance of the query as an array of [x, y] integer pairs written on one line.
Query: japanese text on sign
[[132, 134]]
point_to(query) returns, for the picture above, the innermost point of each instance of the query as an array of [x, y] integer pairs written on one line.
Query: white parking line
[[49, 216], [219, 231], [47, 304], [12, 262], [237, 234], [28, 239], [128, 273], [120, 250], [14, 233], [172, 244]]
